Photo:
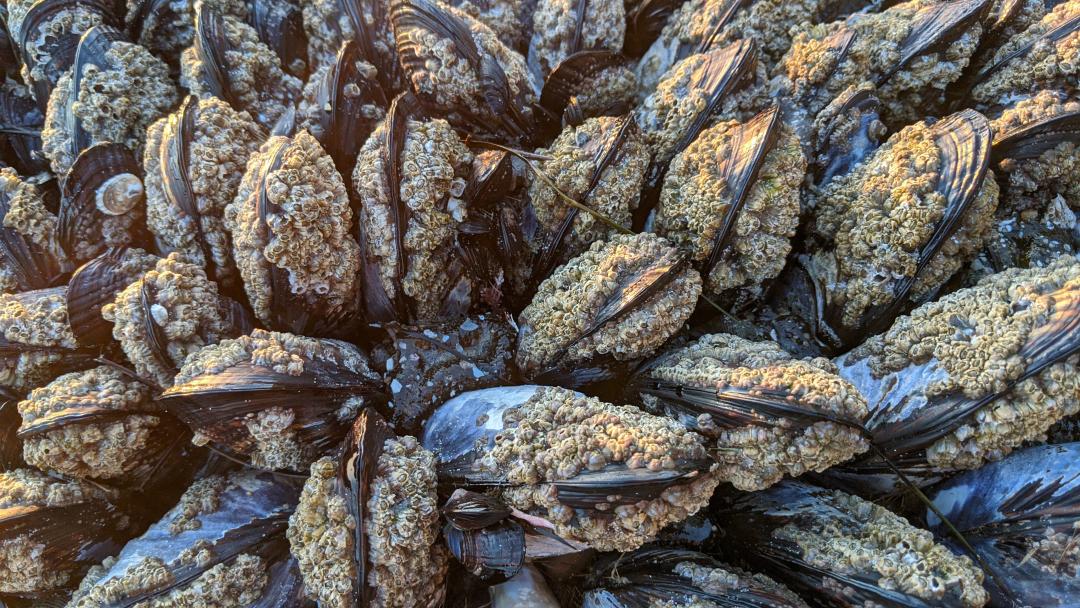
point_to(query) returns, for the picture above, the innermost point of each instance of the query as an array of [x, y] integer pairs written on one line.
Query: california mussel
[[600, 303]]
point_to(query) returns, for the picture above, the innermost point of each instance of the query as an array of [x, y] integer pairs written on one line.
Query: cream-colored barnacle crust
[[559, 435], [283, 353], [882, 213], [74, 19], [433, 166], [1046, 65], [328, 26], [310, 111], [107, 448], [223, 141], [112, 105], [975, 336], [556, 21], [169, 31], [613, 87], [307, 232], [202, 498], [255, 76], [448, 79], [34, 319], [24, 566], [573, 158], [696, 198], [506, 18], [28, 216], [869, 540], [566, 305], [816, 73], [754, 457], [1025, 13], [183, 304], [726, 579], [1056, 552], [1034, 182], [408, 567]]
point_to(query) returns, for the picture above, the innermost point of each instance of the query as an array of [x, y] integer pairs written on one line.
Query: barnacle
[[743, 381], [1044, 56], [558, 30], [112, 105], [168, 31], [167, 314], [38, 321], [27, 215], [510, 20], [194, 161], [569, 320], [329, 25], [37, 46], [102, 448], [292, 215], [578, 166], [433, 165], [699, 195], [401, 527]]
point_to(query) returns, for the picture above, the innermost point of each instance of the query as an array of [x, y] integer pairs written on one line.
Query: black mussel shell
[[343, 99], [61, 51], [1006, 509], [645, 19], [250, 516], [91, 287], [1051, 36], [834, 156], [933, 28], [467, 510], [494, 553], [356, 470], [33, 267], [10, 445], [280, 25], [105, 180], [9, 58], [572, 75], [1032, 140], [92, 50], [20, 132]]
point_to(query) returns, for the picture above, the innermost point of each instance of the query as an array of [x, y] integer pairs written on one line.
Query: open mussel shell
[[30, 252], [270, 413], [679, 577], [467, 510], [95, 284], [498, 99], [958, 410], [102, 204], [853, 552], [1020, 515], [582, 490], [223, 541], [47, 54], [20, 131], [367, 522], [348, 104], [54, 529]]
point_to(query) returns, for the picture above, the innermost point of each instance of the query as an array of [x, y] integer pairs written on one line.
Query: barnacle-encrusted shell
[[816, 73], [510, 20], [168, 31], [309, 111], [555, 23], [36, 319], [754, 457], [28, 216], [846, 534], [254, 73], [1047, 64], [328, 27], [183, 304], [114, 105], [102, 449], [75, 19], [408, 568], [881, 214], [972, 339], [696, 197], [434, 165], [223, 141], [309, 229], [557, 434], [24, 566], [1033, 183], [567, 303], [572, 165], [613, 87]]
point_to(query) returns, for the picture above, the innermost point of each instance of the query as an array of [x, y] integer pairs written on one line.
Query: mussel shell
[[61, 51], [493, 553], [93, 174], [467, 510], [645, 19], [20, 133], [574, 74], [92, 286], [9, 59], [1007, 505], [1033, 139], [830, 161], [33, 267], [10, 445], [280, 25], [934, 27], [211, 46], [92, 50], [1052, 36]]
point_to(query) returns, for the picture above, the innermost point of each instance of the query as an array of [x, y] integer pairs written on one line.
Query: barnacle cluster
[[38, 320], [217, 148], [751, 456], [28, 216], [726, 579], [557, 435], [558, 323], [175, 304], [558, 30], [327, 25], [292, 214], [168, 33], [113, 104], [73, 21], [697, 197]]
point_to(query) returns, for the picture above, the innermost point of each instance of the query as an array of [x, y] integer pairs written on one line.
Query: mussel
[[36, 341], [30, 253], [561, 28]]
